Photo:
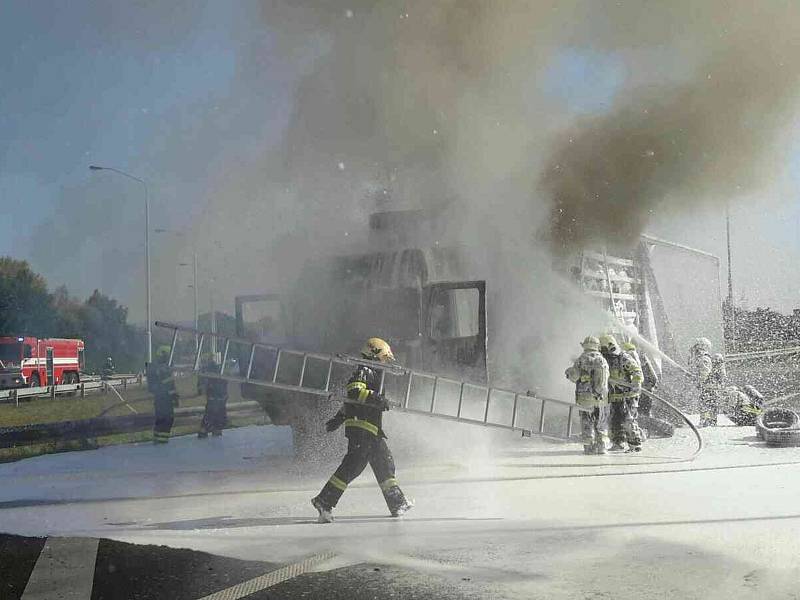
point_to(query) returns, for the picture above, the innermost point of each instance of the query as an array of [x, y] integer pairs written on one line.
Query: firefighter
[[589, 373], [649, 376], [624, 386], [161, 384], [107, 372], [746, 405], [701, 367], [366, 442], [215, 417]]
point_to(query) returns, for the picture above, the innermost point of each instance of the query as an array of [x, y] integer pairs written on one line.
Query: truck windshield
[[11, 354]]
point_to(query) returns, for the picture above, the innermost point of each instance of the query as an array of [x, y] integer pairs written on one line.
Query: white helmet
[[701, 343]]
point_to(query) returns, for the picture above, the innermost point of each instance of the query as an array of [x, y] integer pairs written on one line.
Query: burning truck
[[423, 297]]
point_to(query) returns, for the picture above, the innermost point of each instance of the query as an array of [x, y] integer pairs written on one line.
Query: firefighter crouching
[[366, 442], [215, 417], [589, 373], [745, 404], [161, 384], [624, 388]]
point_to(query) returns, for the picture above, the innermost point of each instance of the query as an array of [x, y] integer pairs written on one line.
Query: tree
[[107, 333], [25, 305]]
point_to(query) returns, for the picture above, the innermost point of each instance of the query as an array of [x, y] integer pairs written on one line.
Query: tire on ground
[[779, 427]]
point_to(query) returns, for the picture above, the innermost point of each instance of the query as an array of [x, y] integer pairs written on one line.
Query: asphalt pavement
[[496, 517]]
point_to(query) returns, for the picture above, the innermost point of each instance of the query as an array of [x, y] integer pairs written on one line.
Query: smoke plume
[[428, 104], [704, 139]]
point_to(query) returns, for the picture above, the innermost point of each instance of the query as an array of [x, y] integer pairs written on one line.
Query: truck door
[[50, 368], [454, 335]]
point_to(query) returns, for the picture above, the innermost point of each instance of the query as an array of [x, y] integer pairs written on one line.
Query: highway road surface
[[496, 516]]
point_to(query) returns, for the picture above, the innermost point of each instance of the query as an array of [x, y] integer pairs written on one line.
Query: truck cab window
[[454, 314], [28, 353]]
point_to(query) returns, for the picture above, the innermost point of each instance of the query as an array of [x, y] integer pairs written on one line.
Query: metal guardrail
[[90, 385]]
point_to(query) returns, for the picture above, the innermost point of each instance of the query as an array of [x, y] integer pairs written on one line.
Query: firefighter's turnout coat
[[362, 416], [161, 384], [589, 373]]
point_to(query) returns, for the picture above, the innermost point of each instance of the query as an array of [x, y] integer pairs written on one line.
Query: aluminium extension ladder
[[324, 375]]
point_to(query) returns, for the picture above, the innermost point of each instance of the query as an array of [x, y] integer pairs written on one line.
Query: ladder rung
[[250, 361], [569, 423], [199, 351], [172, 347], [277, 366], [541, 417], [408, 390], [328, 376], [303, 370], [224, 356], [514, 411]]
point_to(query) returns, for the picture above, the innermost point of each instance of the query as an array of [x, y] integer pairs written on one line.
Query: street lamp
[[146, 250], [194, 287]]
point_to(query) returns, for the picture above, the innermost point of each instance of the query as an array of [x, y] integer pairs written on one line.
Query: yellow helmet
[[591, 343], [609, 343], [377, 349], [162, 353]]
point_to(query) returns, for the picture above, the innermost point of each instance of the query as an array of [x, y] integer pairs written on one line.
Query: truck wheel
[[35, 381]]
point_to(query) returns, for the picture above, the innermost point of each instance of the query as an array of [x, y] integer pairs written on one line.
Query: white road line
[[251, 586], [64, 570]]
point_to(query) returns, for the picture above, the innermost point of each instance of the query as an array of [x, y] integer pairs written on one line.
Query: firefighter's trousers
[[624, 427], [165, 416], [594, 427], [216, 415], [709, 407], [364, 448]]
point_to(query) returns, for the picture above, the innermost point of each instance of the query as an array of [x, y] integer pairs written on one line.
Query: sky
[[186, 95]]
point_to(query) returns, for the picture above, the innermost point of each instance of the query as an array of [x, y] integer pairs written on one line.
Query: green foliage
[[26, 307], [25, 304]]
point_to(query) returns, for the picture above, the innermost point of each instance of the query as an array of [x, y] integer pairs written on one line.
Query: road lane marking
[[262, 582], [64, 570]]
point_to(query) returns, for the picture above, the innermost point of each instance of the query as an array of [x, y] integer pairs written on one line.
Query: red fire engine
[[29, 361]]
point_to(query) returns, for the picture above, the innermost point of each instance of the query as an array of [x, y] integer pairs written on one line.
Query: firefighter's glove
[[334, 423], [380, 401]]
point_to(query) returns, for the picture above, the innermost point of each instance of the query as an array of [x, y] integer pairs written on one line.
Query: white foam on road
[[142, 469]]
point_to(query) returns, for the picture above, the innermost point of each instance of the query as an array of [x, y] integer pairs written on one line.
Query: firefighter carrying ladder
[[421, 393]]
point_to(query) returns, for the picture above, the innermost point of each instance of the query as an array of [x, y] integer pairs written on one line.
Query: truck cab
[[412, 297]]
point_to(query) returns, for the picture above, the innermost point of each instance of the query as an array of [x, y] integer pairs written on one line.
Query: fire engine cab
[[34, 362]]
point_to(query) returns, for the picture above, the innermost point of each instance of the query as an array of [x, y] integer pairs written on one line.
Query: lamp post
[[194, 288], [146, 250]]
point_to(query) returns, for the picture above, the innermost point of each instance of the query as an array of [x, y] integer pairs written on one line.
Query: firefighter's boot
[[325, 512], [396, 501], [617, 447]]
